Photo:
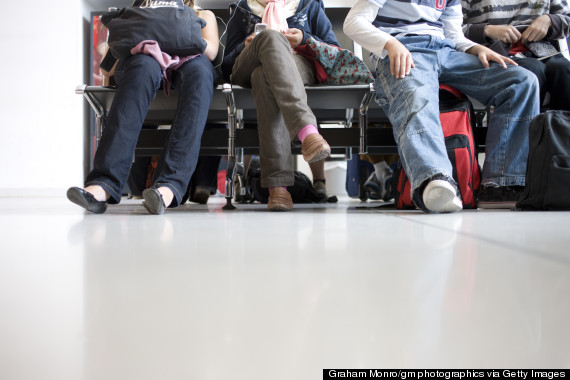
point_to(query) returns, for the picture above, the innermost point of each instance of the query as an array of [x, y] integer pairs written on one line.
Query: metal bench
[[233, 107]]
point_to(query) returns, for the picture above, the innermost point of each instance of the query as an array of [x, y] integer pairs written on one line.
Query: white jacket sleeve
[[452, 19], [358, 26]]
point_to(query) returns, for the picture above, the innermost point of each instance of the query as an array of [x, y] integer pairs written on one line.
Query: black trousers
[[553, 77]]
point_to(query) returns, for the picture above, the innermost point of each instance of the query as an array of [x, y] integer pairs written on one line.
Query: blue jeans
[[412, 106], [138, 79]]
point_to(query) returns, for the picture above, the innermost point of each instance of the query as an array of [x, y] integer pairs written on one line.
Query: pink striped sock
[[306, 131]]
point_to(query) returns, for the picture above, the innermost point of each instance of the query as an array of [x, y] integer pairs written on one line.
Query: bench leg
[[240, 187], [363, 119], [232, 122], [348, 124]]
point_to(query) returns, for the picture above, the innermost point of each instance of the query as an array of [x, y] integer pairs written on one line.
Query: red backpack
[[457, 120]]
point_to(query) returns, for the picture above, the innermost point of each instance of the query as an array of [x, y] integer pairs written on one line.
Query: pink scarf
[[273, 15]]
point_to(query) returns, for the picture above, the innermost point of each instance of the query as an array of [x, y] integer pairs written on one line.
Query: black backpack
[[548, 167]]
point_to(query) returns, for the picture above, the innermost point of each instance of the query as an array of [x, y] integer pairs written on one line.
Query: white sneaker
[[441, 196]]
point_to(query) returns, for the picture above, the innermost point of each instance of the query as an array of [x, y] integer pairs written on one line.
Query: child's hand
[[248, 39], [401, 62], [537, 30], [504, 33], [294, 36], [485, 55]]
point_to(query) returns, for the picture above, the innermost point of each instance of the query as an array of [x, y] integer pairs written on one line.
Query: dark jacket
[[310, 17], [558, 12]]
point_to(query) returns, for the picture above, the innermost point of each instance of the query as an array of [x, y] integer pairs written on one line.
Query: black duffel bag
[[548, 168], [174, 25]]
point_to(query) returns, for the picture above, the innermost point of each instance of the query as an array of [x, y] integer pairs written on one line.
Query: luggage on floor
[[357, 171], [302, 191], [457, 120], [548, 167]]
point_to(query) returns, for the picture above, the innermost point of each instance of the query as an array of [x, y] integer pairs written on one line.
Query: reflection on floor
[[201, 293]]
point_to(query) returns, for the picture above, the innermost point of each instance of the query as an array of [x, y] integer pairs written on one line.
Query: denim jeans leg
[[538, 68], [138, 78], [513, 97], [194, 81], [412, 106]]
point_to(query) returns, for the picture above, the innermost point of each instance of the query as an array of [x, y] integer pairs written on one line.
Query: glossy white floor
[[201, 293]]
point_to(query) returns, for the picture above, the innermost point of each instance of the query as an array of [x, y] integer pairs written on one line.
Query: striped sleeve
[[560, 16]]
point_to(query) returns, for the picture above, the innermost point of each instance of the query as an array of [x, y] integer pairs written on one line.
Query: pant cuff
[[504, 181]]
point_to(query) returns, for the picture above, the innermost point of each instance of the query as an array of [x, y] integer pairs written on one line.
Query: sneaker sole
[[372, 188], [497, 205], [387, 194], [439, 196]]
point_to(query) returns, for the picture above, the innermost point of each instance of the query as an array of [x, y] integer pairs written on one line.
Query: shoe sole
[[153, 202], [497, 205], [372, 188], [75, 196], [323, 150], [321, 155], [439, 196], [282, 204], [378, 194], [322, 195], [200, 198], [387, 194], [279, 207]]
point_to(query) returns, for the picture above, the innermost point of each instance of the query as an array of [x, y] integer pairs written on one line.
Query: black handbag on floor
[[302, 190], [174, 25], [548, 167]]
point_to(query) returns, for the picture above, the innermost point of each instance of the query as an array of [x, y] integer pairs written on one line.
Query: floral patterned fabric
[[335, 65]]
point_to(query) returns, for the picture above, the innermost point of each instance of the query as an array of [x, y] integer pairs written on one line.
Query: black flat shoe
[[84, 199], [153, 201]]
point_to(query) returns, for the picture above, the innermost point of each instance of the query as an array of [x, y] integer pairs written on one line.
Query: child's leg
[[558, 82], [138, 78], [412, 106], [270, 51], [513, 97], [194, 82], [274, 141]]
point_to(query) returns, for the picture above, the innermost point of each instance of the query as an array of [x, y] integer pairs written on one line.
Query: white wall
[[41, 118]]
